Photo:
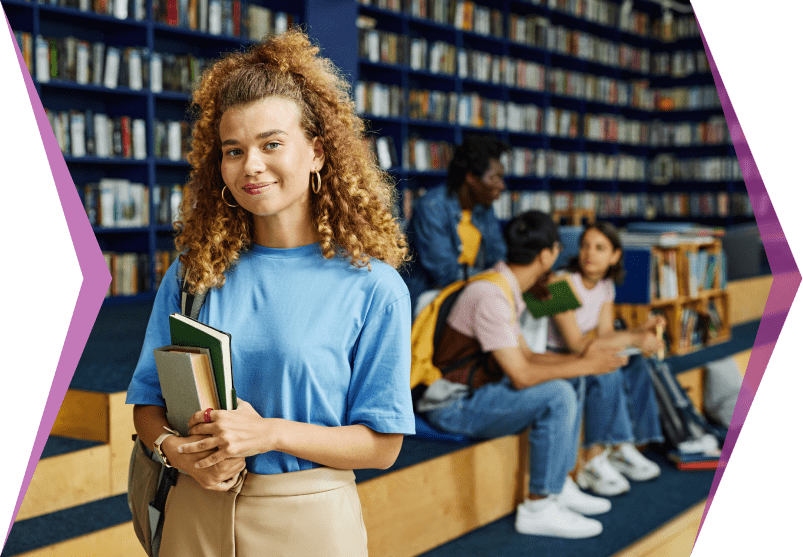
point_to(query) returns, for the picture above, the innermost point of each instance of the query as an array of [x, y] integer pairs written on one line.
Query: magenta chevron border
[[785, 277], [96, 279]]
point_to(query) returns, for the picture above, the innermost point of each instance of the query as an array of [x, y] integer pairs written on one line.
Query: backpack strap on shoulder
[[191, 303]]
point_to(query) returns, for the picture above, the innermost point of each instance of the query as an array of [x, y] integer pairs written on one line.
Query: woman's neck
[[590, 281], [276, 232]]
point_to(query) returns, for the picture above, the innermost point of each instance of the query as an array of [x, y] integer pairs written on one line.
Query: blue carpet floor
[[635, 514], [56, 445], [41, 531]]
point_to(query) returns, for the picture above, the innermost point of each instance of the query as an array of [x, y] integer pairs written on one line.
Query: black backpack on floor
[[680, 419]]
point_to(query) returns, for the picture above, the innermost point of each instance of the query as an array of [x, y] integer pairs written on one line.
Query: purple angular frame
[[785, 277], [96, 278]]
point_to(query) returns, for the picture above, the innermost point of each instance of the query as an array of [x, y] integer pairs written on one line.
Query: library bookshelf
[[606, 111], [115, 77], [686, 284], [594, 100]]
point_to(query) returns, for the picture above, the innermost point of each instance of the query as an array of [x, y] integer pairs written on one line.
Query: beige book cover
[[188, 386]]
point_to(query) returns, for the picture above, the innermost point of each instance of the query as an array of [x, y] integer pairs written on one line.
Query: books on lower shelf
[[674, 264], [607, 205], [384, 149], [681, 63], [423, 155], [171, 139], [117, 203], [92, 134], [130, 272], [166, 203]]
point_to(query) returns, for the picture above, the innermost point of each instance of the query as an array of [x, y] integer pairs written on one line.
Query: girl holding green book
[[287, 226], [620, 409]]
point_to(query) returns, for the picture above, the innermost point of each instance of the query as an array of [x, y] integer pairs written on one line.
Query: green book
[[562, 298], [185, 331]]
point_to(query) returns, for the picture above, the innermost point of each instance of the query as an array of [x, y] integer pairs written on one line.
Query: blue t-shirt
[[436, 246], [313, 340]]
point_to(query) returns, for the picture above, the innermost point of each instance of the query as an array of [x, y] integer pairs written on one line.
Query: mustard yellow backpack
[[428, 329]]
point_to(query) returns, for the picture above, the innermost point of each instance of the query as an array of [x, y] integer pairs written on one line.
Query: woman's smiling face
[[267, 158]]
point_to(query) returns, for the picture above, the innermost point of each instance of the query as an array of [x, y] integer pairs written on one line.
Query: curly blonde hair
[[352, 211]]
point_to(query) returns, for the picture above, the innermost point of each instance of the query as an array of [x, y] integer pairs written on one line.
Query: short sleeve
[[379, 393], [144, 387], [610, 291], [483, 312]]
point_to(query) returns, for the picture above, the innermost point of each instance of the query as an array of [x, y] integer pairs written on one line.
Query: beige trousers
[[296, 514]]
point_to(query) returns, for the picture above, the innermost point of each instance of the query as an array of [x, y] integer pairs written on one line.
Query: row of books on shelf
[[666, 168], [95, 63], [681, 63], [84, 62], [623, 16], [699, 97], [546, 163], [539, 32], [602, 12], [444, 58], [677, 28], [462, 14], [634, 93], [171, 139], [88, 134], [714, 131], [424, 155], [471, 109], [699, 270], [131, 272], [120, 203], [232, 18], [470, 16], [699, 328], [120, 9], [617, 204]]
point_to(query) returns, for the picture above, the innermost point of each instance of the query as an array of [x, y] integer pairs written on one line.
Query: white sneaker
[[601, 477], [547, 517], [583, 503], [628, 460]]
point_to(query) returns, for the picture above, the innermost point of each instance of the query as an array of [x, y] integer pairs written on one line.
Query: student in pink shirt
[[515, 388], [620, 408]]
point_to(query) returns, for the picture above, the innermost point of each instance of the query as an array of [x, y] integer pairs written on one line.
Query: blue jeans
[[619, 407], [498, 409]]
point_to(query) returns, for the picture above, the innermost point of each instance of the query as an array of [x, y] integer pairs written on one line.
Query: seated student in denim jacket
[[453, 231], [518, 388]]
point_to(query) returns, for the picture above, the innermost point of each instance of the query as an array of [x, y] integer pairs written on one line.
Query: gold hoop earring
[[316, 190], [223, 197]]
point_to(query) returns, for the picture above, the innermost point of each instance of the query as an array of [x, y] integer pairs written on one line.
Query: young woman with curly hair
[[287, 227]]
